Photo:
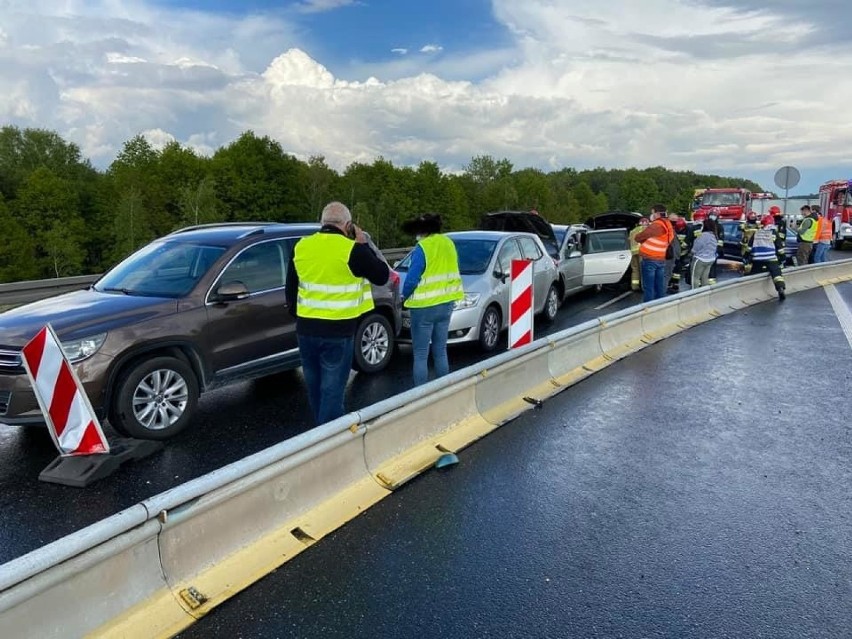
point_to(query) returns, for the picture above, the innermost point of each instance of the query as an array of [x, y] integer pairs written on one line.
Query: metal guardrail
[[15, 293]]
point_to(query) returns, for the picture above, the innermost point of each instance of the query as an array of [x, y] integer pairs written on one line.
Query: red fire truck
[[835, 202], [728, 203]]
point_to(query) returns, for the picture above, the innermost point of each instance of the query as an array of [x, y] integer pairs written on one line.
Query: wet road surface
[[699, 488]]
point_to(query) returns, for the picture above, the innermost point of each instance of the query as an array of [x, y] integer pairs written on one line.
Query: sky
[[732, 87]]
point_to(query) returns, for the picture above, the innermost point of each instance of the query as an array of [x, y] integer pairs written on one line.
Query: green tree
[[317, 182], [199, 204], [17, 249]]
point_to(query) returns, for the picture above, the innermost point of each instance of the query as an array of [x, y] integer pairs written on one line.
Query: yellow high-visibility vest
[[327, 288], [441, 281]]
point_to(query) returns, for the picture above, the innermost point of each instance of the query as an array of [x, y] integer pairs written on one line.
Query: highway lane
[[699, 488], [232, 423]]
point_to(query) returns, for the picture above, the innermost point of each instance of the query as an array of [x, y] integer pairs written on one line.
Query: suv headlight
[[470, 300], [79, 349]]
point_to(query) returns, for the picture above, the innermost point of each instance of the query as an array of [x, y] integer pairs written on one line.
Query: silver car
[[590, 257], [485, 259]]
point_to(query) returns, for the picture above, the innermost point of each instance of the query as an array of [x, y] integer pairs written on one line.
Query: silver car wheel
[[375, 343], [552, 303], [160, 399], [491, 328]]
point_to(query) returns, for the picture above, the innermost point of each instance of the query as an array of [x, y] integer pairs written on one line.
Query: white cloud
[[431, 48], [670, 82], [399, 50], [319, 6]]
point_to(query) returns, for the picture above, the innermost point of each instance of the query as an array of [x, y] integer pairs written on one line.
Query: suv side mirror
[[574, 253], [500, 275], [231, 291]]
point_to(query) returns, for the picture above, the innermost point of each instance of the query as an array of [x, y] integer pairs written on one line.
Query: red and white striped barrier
[[69, 415], [521, 308]]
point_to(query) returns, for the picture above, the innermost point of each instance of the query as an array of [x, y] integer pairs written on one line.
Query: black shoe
[[782, 295]]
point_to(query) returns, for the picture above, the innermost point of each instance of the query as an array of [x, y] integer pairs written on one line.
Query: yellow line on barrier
[[167, 613]]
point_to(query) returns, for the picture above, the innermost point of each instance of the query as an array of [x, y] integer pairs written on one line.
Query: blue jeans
[[326, 362], [430, 325], [653, 279], [820, 252]]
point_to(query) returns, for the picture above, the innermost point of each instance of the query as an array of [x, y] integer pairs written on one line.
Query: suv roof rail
[[213, 225]]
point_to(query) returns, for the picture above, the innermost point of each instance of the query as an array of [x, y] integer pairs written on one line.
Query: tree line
[[61, 216]]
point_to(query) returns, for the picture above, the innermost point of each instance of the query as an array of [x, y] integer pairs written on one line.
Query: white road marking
[[844, 315], [620, 297]]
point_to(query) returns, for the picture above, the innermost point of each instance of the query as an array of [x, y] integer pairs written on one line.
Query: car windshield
[[721, 199], [161, 269], [474, 256]]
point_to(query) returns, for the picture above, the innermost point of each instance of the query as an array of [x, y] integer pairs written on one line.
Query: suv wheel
[[489, 329], [551, 303], [374, 342], [155, 399]]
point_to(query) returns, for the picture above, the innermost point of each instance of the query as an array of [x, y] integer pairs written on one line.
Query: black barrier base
[[82, 471]]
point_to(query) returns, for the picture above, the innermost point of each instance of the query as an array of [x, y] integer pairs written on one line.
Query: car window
[[474, 255], [261, 267], [161, 269], [605, 241], [530, 248], [508, 252]]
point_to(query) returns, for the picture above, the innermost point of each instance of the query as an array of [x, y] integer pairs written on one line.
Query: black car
[[197, 309]]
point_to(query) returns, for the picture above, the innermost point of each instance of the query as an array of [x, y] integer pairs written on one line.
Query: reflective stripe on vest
[[327, 288], [763, 247], [654, 248], [441, 281], [810, 234]]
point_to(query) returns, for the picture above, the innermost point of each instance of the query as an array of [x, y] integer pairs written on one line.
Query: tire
[[551, 304], [374, 344], [489, 329], [837, 244], [155, 399]]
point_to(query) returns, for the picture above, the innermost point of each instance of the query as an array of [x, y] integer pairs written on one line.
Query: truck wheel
[[374, 343], [155, 399], [837, 244]]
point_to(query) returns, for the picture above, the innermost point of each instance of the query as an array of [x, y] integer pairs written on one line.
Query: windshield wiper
[[126, 291]]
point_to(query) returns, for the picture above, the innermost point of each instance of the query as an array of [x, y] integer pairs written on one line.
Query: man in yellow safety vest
[[328, 289]]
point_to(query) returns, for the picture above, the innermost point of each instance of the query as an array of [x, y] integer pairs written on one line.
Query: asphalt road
[[699, 488]]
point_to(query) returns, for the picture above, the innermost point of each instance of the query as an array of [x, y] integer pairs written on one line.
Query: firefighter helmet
[[767, 220], [774, 210]]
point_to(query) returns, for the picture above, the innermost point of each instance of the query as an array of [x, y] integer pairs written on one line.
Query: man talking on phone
[[328, 289]]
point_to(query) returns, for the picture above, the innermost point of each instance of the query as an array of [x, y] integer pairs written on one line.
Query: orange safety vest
[[654, 248], [824, 230]]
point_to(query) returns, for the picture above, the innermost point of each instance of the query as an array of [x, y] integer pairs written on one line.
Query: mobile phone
[[350, 230]]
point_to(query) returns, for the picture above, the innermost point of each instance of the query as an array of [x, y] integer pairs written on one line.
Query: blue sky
[[734, 87]]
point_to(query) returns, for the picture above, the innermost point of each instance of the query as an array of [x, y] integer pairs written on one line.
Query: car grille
[[10, 360], [5, 397]]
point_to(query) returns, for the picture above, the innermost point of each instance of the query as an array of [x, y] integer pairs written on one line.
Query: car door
[[571, 261], [508, 251], [732, 242], [256, 333], [607, 257], [542, 265]]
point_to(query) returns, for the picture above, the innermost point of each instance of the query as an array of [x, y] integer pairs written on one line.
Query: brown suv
[[200, 308]]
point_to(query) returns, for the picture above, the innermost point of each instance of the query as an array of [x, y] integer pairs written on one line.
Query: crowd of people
[[664, 242], [329, 280]]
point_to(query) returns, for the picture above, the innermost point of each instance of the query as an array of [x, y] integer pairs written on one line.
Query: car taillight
[[394, 277]]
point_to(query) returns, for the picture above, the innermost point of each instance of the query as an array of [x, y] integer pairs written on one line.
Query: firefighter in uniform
[[763, 245], [748, 228], [635, 258], [781, 230], [680, 228]]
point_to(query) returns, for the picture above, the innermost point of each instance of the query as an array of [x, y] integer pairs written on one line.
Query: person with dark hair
[[654, 250], [703, 254], [807, 233], [327, 290], [431, 288]]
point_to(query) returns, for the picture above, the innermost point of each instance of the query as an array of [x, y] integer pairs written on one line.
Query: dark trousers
[[326, 362], [758, 266]]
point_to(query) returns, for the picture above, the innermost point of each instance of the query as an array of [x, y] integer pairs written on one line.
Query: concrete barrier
[[155, 568]]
